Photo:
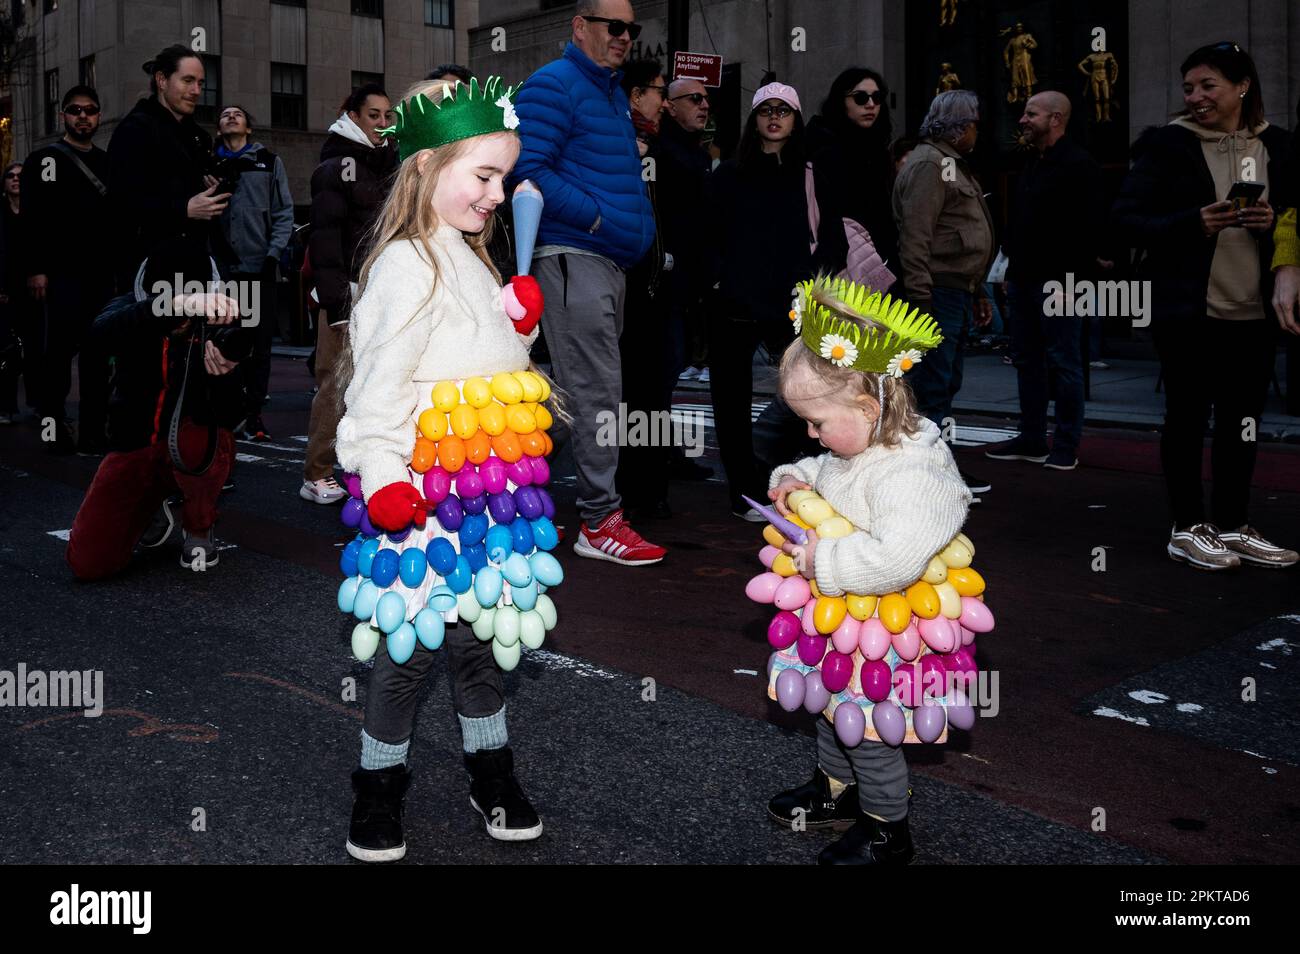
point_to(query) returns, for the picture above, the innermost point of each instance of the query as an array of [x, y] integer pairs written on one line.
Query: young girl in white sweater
[[888, 472], [431, 310]]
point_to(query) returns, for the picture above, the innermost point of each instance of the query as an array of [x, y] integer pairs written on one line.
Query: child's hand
[[523, 301], [782, 490], [804, 555]]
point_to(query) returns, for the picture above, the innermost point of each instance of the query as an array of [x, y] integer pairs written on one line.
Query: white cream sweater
[[401, 347], [907, 502]]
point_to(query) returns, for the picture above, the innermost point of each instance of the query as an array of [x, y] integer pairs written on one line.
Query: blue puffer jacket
[[580, 150]]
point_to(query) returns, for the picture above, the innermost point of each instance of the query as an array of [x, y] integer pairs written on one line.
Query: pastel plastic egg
[[463, 421], [966, 541], [790, 689], [390, 613], [487, 586], [430, 629], [815, 696], [792, 593], [795, 497], [908, 642], [767, 555], [492, 419], [521, 472], [451, 453], [544, 534], [478, 448], [845, 637], [507, 389], [528, 502], [450, 513], [889, 722], [401, 644], [525, 597], [445, 396], [348, 594], [473, 529], [814, 510], [476, 555], [441, 555], [811, 649], [505, 625], [975, 616], [834, 528], [348, 558], [783, 565], [936, 571], [506, 446], [468, 608], [966, 581], [938, 634], [520, 420], [956, 555], [531, 384], [363, 607], [961, 714], [875, 678], [874, 640], [384, 568], [477, 392], [783, 631], [837, 670], [967, 636], [773, 536], [929, 722], [907, 685], [516, 569], [461, 577], [412, 565], [351, 513], [423, 454], [483, 625], [812, 587], [546, 569], [762, 588], [366, 557], [923, 600], [541, 470], [546, 609], [499, 543], [365, 640], [468, 483], [807, 621], [441, 598], [895, 612], [493, 472], [532, 631], [544, 418], [949, 600], [828, 613], [507, 657], [850, 724], [474, 504], [432, 423], [860, 607]]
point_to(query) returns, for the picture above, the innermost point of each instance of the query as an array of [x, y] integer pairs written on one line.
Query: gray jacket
[[259, 220]]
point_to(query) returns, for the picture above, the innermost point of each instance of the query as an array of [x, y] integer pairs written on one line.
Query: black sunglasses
[[77, 110], [862, 97], [695, 98], [616, 27]]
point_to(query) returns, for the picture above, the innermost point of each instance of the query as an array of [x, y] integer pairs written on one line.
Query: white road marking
[[1115, 714], [745, 672], [1189, 707], [1273, 644], [61, 534], [248, 458], [1148, 697], [558, 661]]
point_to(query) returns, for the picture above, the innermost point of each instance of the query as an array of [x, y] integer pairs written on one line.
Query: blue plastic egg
[[364, 604], [441, 599], [390, 613], [366, 556], [383, 570], [461, 578], [442, 555], [348, 558], [546, 569], [430, 628], [412, 565], [524, 597], [500, 541], [487, 586], [401, 643], [473, 529], [476, 555], [544, 534], [521, 533], [348, 594], [516, 570]]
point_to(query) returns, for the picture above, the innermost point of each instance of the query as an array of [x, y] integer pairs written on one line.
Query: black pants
[[646, 347], [24, 318], [1224, 365], [256, 368], [476, 687], [72, 303]]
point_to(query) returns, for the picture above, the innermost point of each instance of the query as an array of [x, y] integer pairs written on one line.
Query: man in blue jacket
[[579, 148]]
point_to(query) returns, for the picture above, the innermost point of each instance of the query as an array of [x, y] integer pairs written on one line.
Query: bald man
[[1054, 232]]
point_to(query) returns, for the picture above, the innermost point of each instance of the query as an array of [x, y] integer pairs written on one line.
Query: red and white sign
[[705, 67]]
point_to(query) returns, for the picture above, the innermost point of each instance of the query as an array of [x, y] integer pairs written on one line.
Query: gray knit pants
[[880, 771], [583, 321]]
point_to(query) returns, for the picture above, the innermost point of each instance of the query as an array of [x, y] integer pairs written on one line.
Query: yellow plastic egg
[[445, 396], [531, 384], [506, 389], [966, 581], [492, 419], [895, 614], [478, 393], [949, 600], [814, 510], [464, 421], [828, 613], [936, 572], [812, 587], [544, 418], [923, 600], [795, 497], [966, 541], [773, 536], [432, 424], [835, 527], [546, 386], [955, 554], [520, 420], [783, 565], [799, 521], [860, 607]]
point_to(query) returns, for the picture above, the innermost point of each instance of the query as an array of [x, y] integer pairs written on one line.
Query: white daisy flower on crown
[[796, 309], [510, 119], [903, 361], [838, 350]]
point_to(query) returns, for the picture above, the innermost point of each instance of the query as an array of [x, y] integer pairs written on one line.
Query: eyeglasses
[[695, 98], [861, 97], [617, 27], [780, 112], [11, 175], [78, 110]]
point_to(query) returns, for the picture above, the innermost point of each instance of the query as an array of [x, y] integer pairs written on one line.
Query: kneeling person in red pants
[[167, 353]]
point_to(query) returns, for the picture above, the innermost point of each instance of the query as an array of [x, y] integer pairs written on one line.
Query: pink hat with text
[[785, 94]]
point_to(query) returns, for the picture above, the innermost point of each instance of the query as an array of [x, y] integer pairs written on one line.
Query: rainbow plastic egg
[[528, 502], [476, 554], [546, 569], [494, 473], [506, 389], [541, 470], [525, 597], [351, 513], [463, 421], [441, 555], [348, 558], [366, 557], [492, 419], [432, 423], [476, 504], [544, 534], [430, 629], [531, 385], [468, 483], [384, 568], [348, 594], [445, 396], [365, 640], [436, 484], [412, 566], [461, 576], [450, 513], [502, 507], [520, 420], [451, 453], [477, 392], [521, 535], [390, 613]]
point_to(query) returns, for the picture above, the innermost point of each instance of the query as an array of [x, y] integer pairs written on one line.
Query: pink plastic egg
[[937, 634], [812, 649], [792, 593], [875, 679], [873, 639], [541, 470], [437, 484], [762, 588], [521, 472], [767, 555], [975, 616], [783, 630], [493, 472], [808, 619], [934, 675], [845, 637], [908, 643], [837, 670], [967, 637], [907, 685]]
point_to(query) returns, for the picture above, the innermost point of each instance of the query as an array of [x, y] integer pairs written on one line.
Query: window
[[86, 71], [209, 105], [368, 8], [288, 96], [51, 101], [361, 79], [438, 13]]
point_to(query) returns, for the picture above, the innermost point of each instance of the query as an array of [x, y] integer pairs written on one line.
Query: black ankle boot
[[495, 794], [871, 842], [813, 801], [376, 832]]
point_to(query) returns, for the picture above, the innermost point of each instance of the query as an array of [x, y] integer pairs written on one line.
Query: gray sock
[[382, 755], [488, 732]]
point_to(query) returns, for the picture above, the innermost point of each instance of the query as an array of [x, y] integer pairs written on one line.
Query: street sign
[[705, 67]]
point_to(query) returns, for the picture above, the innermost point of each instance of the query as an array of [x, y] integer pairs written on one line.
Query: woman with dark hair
[[848, 142], [1209, 260], [759, 204]]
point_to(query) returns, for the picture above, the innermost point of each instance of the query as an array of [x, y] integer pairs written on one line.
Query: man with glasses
[[579, 147], [70, 268]]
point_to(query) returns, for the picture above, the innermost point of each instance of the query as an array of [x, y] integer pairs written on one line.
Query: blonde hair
[[898, 415]]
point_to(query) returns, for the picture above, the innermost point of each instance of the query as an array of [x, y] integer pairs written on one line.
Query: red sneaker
[[616, 541]]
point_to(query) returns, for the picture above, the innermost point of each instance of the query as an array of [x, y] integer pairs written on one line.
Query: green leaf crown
[[893, 327]]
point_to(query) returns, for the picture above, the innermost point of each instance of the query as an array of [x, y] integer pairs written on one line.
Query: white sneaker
[[323, 491], [704, 376], [690, 374], [750, 515]]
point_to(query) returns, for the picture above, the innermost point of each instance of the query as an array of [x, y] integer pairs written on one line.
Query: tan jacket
[[945, 232]]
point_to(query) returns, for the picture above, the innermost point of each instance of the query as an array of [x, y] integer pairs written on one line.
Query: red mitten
[[529, 295], [394, 506]]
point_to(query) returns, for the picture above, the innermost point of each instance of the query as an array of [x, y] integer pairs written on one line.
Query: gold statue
[[947, 79], [1018, 60], [1102, 70], [947, 12]]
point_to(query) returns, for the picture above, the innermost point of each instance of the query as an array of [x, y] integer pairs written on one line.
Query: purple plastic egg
[[889, 723], [468, 483], [367, 527], [493, 472], [474, 504], [815, 695], [875, 679], [352, 512], [850, 723], [541, 470], [528, 503], [811, 649], [400, 535], [353, 484], [907, 684], [502, 507], [783, 631], [548, 505], [789, 689], [929, 722], [837, 670], [450, 513], [961, 714], [520, 472], [437, 484]]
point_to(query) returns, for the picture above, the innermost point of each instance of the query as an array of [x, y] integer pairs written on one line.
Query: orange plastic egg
[[828, 613], [478, 448], [506, 445], [550, 445], [923, 600], [451, 453], [532, 444], [966, 581], [424, 454], [492, 419], [895, 614]]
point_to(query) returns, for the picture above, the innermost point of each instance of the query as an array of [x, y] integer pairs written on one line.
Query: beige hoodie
[[1234, 273]]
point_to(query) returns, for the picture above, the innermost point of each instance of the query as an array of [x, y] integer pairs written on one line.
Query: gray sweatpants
[[879, 769], [583, 321]]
